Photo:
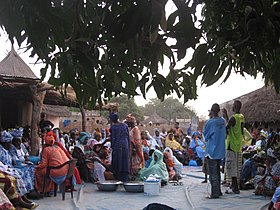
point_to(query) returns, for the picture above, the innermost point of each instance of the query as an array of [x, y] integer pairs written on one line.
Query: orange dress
[[76, 171], [52, 156], [136, 151]]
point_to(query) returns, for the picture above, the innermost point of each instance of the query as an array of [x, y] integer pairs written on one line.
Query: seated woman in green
[[157, 166]]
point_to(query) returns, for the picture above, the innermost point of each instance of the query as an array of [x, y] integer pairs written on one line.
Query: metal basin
[[135, 187], [108, 185]]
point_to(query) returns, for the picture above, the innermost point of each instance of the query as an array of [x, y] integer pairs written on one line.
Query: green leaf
[[153, 36], [219, 73], [158, 88], [163, 22], [171, 19], [181, 53], [210, 69], [43, 72], [157, 14]]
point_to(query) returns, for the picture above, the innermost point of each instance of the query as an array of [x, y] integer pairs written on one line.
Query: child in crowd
[[169, 165], [149, 159]]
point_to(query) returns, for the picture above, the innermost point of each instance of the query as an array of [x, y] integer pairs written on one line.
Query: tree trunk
[[38, 97], [84, 122]]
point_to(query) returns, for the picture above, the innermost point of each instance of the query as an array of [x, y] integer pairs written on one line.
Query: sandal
[[212, 197], [232, 192], [178, 184]]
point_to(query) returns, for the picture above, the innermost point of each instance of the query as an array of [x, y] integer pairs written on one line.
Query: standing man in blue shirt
[[214, 132]]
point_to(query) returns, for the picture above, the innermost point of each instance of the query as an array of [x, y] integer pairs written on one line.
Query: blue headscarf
[[103, 131], [146, 149], [83, 136], [17, 133], [6, 136], [195, 133]]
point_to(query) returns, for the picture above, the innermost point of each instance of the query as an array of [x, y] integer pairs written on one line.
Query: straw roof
[[16, 76], [113, 107], [12, 67], [56, 98], [261, 105], [54, 110], [155, 119]]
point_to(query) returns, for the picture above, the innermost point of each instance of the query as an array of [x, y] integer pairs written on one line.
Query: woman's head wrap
[[17, 132], [169, 160], [146, 150], [51, 133], [6, 136], [270, 153], [195, 133], [130, 118], [167, 149], [49, 139], [91, 142], [170, 133], [83, 136], [97, 135]]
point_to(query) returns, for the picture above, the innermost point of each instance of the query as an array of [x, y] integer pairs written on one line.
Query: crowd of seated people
[[93, 152], [16, 172], [166, 151], [261, 166]]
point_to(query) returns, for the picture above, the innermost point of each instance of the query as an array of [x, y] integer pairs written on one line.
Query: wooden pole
[[84, 121], [38, 96]]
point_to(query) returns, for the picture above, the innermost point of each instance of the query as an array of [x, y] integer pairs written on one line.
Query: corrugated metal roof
[[13, 66]]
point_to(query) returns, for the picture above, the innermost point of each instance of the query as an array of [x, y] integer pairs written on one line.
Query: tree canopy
[[103, 48], [127, 106], [168, 109]]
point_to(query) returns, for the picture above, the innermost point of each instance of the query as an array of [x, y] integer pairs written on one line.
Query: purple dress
[[120, 144]]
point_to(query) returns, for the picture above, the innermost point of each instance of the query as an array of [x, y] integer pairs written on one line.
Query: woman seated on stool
[[52, 155]]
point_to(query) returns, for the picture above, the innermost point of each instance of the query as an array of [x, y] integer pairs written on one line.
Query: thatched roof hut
[[22, 97], [55, 110], [155, 119], [13, 68], [55, 97], [261, 105], [69, 99]]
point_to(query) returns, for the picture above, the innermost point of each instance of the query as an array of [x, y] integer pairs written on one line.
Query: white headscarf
[[6, 136], [270, 153]]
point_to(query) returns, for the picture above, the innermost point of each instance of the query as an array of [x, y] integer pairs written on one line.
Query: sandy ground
[[192, 195]]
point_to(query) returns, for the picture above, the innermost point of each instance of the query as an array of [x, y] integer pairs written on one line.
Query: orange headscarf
[[49, 140], [170, 162], [98, 134], [107, 130], [51, 133]]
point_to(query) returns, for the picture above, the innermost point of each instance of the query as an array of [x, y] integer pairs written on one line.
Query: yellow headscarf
[[172, 143]]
